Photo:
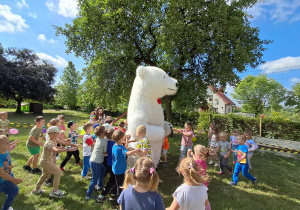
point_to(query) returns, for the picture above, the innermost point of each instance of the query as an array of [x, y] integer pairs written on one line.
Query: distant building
[[218, 101]]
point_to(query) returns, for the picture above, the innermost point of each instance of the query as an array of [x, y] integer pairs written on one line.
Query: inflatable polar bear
[[150, 84]]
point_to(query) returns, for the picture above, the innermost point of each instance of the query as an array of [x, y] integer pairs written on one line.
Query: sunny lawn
[[278, 178]]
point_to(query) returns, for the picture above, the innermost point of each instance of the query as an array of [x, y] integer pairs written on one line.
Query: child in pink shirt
[[200, 156], [186, 141]]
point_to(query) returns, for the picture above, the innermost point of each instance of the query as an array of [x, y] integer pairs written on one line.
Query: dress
[[201, 168]]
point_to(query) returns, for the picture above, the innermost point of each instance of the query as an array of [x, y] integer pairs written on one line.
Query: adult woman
[[97, 116]]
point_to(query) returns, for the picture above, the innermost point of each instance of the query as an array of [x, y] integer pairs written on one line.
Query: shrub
[[271, 127]]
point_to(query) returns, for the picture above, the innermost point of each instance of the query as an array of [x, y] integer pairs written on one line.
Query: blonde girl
[[140, 187], [200, 155], [192, 194]]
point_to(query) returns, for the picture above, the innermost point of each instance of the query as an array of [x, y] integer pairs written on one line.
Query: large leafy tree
[[198, 42], [256, 93], [24, 76], [68, 87], [293, 98]]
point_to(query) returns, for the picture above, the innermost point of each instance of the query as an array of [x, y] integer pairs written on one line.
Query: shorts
[[183, 151], [34, 150], [164, 151]]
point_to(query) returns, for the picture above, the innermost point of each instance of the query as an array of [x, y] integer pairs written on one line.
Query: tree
[[24, 76], [293, 98], [258, 92], [198, 42], [68, 88]]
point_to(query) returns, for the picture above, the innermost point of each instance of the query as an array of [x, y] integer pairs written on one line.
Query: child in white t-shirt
[[192, 194], [87, 149]]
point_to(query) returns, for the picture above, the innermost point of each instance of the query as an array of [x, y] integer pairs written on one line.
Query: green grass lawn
[[277, 188]]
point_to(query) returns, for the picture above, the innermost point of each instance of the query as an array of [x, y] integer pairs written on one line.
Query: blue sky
[[28, 24]]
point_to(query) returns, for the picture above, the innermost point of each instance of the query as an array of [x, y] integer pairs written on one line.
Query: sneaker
[[78, 164], [165, 164], [86, 177], [231, 171], [48, 184], [27, 168], [62, 169], [57, 157], [37, 192], [57, 194], [217, 164], [234, 162], [97, 188], [211, 162], [87, 198], [220, 173], [101, 198], [112, 197], [36, 170], [255, 181], [10, 208], [232, 183]]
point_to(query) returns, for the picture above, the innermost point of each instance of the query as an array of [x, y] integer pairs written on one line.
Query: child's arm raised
[[56, 150], [177, 130], [68, 143], [132, 152], [7, 177], [33, 140]]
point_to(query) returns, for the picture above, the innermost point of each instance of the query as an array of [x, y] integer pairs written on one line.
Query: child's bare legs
[[29, 161], [249, 157], [34, 160]]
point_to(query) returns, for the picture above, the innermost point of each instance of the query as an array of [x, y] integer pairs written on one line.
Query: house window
[[211, 97], [228, 110], [216, 110]]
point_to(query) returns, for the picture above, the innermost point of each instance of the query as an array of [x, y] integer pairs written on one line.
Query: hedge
[[271, 128]]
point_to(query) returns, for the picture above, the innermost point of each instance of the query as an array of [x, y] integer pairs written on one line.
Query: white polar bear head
[[155, 82]]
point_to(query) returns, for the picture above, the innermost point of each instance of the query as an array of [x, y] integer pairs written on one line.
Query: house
[[218, 101]]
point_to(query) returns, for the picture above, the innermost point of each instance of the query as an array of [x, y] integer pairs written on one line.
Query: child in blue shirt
[[242, 162], [140, 187], [119, 164], [234, 143], [8, 184], [251, 145]]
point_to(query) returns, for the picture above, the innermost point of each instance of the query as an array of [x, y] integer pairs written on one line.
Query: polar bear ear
[[141, 71]]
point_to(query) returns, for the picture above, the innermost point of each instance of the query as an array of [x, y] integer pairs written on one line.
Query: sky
[[29, 24]]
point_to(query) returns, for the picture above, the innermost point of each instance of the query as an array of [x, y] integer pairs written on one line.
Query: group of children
[[106, 151]]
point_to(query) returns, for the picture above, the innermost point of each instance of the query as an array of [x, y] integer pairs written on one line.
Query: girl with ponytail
[[140, 187], [192, 194]]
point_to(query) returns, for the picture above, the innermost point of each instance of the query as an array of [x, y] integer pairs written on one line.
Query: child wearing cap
[[73, 136], [47, 164]]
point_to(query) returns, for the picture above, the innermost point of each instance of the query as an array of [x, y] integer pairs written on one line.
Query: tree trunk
[[168, 104], [19, 106]]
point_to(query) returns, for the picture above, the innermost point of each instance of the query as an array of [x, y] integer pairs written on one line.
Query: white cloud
[[42, 38], [58, 62], [66, 8], [295, 80], [278, 10], [281, 65], [10, 22], [22, 4], [32, 14]]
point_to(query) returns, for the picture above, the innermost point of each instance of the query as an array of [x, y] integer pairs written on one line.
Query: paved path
[[279, 142]]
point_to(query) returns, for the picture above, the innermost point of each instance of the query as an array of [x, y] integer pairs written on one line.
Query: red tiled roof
[[221, 95]]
